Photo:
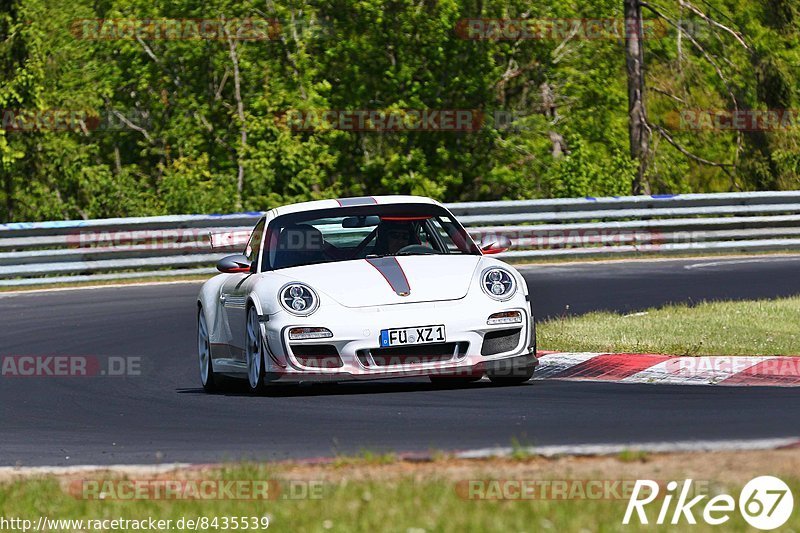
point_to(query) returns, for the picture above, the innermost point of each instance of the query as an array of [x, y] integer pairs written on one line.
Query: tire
[[254, 353], [208, 378], [512, 372]]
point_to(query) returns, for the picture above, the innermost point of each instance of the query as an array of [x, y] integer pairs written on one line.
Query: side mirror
[[234, 264], [494, 244]]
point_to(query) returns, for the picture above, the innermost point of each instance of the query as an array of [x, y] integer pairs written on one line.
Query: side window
[[254, 244], [446, 231], [424, 237]]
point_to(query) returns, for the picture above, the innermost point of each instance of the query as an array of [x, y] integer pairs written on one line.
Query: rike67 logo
[[765, 503]]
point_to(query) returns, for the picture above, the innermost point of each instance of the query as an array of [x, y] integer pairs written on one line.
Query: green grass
[[633, 456], [521, 449], [406, 504], [760, 327]]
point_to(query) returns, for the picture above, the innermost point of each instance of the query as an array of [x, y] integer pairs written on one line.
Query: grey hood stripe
[[359, 200], [393, 273]]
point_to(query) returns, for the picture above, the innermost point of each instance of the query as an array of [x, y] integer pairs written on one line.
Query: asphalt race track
[[163, 415]]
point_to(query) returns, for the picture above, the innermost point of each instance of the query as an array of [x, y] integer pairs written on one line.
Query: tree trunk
[[237, 93], [637, 117], [551, 112]]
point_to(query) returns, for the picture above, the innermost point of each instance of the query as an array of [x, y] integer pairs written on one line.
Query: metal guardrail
[[122, 248]]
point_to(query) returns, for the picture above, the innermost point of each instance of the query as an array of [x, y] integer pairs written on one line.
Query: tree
[[639, 131]]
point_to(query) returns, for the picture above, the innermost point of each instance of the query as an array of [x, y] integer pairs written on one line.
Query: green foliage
[[189, 186], [181, 143], [583, 173]]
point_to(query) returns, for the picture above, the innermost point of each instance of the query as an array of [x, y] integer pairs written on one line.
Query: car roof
[[352, 202]]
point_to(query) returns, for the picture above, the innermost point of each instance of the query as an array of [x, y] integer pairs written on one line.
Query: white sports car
[[365, 288]]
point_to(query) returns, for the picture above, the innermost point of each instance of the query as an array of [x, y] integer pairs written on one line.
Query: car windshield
[[363, 232]]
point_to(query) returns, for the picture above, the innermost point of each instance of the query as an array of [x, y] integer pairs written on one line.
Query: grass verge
[[751, 327], [415, 497]]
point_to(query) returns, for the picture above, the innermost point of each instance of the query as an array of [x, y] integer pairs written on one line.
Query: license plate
[[418, 335]]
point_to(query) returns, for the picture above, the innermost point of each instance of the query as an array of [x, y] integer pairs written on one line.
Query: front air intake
[[499, 341], [414, 354], [317, 355]]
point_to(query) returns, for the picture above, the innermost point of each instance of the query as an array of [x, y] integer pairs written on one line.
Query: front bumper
[[354, 352]]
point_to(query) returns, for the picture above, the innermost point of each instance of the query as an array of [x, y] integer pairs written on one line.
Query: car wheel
[[254, 352], [208, 378]]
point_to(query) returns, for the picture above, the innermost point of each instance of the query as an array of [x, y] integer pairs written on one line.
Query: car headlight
[[498, 283], [299, 299]]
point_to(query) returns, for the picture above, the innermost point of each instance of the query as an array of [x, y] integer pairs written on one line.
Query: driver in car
[[393, 236]]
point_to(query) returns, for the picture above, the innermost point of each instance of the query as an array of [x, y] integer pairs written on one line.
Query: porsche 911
[[365, 288]]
